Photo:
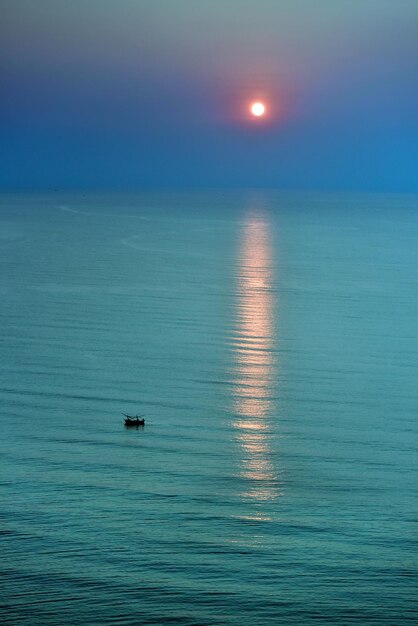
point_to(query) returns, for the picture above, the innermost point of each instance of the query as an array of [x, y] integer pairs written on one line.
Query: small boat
[[134, 420]]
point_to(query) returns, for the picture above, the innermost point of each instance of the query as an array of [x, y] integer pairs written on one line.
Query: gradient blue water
[[271, 341]]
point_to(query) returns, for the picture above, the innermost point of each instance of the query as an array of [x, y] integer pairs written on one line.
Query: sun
[[258, 109]]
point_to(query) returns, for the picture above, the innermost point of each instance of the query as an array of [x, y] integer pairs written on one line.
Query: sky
[[128, 94]]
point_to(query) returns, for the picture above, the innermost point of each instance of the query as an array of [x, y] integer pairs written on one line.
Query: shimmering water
[[270, 339]]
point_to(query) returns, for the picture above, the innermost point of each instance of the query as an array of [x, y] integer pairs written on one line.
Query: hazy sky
[[133, 93]]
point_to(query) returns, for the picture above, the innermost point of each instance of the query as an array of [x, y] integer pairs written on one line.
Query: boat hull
[[129, 423]]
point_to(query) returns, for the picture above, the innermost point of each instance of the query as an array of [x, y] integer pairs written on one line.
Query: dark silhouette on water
[[134, 420]]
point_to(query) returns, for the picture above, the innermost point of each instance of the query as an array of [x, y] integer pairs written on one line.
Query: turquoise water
[[270, 340]]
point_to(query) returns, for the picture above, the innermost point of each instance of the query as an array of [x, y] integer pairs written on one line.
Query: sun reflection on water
[[254, 362]]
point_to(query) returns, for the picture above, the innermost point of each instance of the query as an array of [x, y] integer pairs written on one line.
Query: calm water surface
[[270, 340]]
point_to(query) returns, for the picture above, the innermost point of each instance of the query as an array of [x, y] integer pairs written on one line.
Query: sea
[[269, 338]]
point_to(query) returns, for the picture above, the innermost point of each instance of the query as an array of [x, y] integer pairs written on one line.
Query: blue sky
[[149, 93]]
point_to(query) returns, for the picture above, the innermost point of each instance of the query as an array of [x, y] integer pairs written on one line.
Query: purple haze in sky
[[133, 93]]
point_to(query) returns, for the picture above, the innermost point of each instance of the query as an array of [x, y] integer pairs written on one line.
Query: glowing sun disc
[[258, 109]]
